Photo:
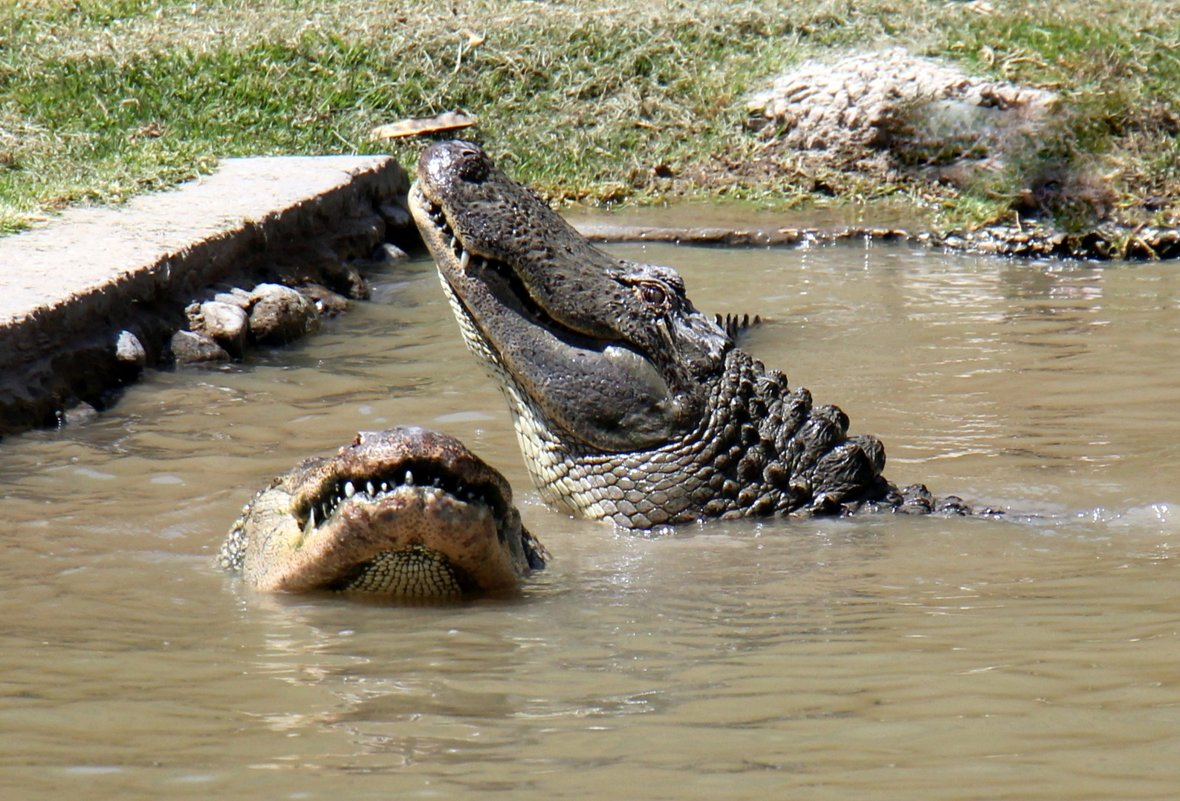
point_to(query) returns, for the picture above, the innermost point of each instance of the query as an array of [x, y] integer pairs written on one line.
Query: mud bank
[[96, 296], [1027, 240]]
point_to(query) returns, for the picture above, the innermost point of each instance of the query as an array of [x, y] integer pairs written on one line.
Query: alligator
[[630, 405], [403, 513]]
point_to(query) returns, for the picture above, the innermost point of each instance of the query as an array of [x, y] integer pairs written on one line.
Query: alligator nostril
[[472, 164], [450, 162]]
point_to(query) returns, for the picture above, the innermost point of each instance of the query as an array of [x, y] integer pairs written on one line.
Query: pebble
[[279, 315], [224, 323], [129, 350], [189, 347]]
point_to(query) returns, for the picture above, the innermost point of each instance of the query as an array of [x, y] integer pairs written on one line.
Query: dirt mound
[[912, 111]]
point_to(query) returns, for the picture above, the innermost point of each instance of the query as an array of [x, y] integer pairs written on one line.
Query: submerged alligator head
[[405, 513], [629, 404]]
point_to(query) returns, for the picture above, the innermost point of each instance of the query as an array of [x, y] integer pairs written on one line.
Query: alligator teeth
[[464, 260], [373, 489]]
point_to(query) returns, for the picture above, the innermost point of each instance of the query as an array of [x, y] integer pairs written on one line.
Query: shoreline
[[101, 294], [98, 295]]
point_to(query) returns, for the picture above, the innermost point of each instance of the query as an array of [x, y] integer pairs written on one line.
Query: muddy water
[[880, 658]]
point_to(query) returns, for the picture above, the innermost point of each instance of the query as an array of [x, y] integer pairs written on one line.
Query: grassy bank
[[634, 99]]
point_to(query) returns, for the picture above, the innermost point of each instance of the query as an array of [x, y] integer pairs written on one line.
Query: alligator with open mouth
[[629, 404], [403, 513]]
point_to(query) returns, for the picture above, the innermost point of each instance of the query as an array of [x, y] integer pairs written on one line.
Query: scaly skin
[[629, 404], [402, 513]]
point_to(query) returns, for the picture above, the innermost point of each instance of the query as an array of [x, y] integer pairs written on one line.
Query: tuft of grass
[[628, 101]]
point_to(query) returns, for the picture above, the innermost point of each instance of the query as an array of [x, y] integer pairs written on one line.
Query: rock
[[395, 216], [279, 314], [76, 415], [384, 256], [130, 351], [327, 302], [224, 323], [389, 253], [357, 235], [347, 280], [235, 297], [189, 347]]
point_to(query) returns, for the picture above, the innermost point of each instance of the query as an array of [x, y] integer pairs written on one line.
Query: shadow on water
[[879, 657]]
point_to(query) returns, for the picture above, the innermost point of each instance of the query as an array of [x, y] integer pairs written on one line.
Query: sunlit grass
[[101, 99]]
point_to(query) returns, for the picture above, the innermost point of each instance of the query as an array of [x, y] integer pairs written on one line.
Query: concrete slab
[[79, 277]]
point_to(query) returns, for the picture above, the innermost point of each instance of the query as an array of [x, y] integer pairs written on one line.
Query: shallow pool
[[876, 658]]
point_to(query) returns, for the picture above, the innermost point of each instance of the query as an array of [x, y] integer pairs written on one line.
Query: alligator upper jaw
[[542, 305], [489, 276]]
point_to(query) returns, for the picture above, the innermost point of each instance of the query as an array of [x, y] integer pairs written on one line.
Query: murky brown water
[[880, 658]]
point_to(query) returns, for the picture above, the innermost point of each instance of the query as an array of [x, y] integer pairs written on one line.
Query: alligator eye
[[653, 295]]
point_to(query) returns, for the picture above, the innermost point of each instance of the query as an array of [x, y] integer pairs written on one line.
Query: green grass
[[102, 99]]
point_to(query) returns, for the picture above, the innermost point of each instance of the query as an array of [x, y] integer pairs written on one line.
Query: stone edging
[[92, 298]]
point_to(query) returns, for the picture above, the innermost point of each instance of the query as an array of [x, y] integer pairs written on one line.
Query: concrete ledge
[[68, 289]]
